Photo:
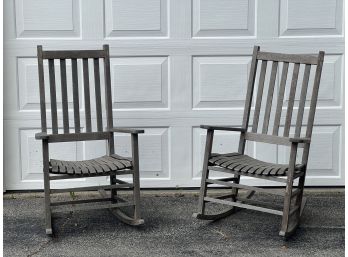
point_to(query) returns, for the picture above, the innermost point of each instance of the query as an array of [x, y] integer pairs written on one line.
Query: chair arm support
[[42, 136], [222, 128], [127, 130], [304, 140]]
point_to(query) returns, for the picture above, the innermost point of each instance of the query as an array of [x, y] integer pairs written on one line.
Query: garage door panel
[[175, 64], [136, 18], [140, 82], [311, 17], [47, 18], [219, 82], [226, 19]]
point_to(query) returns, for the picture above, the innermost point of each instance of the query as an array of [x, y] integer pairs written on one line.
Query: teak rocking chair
[[109, 165], [239, 164]]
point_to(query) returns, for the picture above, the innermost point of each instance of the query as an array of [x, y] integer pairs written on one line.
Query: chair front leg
[[299, 197], [111, 150], [205, 171], [288, 192], [136, 180], [48, 214]]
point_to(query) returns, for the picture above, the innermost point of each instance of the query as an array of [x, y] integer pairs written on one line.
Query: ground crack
[[42, 246]]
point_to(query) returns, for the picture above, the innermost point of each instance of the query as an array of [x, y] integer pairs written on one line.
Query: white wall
[[178, 64]]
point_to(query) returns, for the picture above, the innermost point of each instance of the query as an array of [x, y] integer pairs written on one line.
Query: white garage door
[[178, 64]]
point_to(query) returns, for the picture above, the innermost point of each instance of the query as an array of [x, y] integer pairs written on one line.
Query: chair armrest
[[127, 130], [299, 140], [222, 128], [41, 136]]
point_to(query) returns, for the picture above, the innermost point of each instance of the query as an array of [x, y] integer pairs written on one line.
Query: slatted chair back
[[264, 133], [55, 58]]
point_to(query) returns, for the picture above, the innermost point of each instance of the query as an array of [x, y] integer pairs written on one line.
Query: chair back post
[[42, 89], [108, 99], [249, 98], [108, 95]]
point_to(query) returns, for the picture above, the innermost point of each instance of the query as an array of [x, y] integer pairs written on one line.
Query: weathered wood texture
[[241, 164], [109, 165], [247, 164], [59, 58], [103, 164]]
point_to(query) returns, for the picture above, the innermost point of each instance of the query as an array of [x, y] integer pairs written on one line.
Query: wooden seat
[[281, 126], [246, 164], [104, 164]]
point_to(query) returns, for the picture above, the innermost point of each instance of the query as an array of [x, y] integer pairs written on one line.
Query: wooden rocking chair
[[109, 165], [240, 164]]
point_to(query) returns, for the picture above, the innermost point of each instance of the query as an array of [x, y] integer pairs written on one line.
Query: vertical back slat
[[270, 97], [42, 89], [291, 99], [249, 97], [259, 96], [87, 95], [53, 96], [280, 98], [108, 97], [64, 95], [98, 95], [302, 100], [76, 95]]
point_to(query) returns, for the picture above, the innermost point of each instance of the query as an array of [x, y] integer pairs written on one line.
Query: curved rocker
[[121, 215], [215, 216], [125, 218]]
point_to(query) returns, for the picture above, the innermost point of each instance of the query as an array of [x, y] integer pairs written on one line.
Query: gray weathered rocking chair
[[240, 164], [109, 165]]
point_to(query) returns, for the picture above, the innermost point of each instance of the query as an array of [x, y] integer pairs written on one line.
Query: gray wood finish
[[226, 128], [293, 58], [241, 205], [45, 157], [302, 101], [111, 165], [65, 106], [241, 164], [76, 96], [205, 171], [87, 95], [74, 54], [42, 89], [270, 97], [280, 99], [136, 182], [291, 100], [259, 96], [246, 164], [98, 95], [229, 184], [108, 95], [53, 96], [270, 139]]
